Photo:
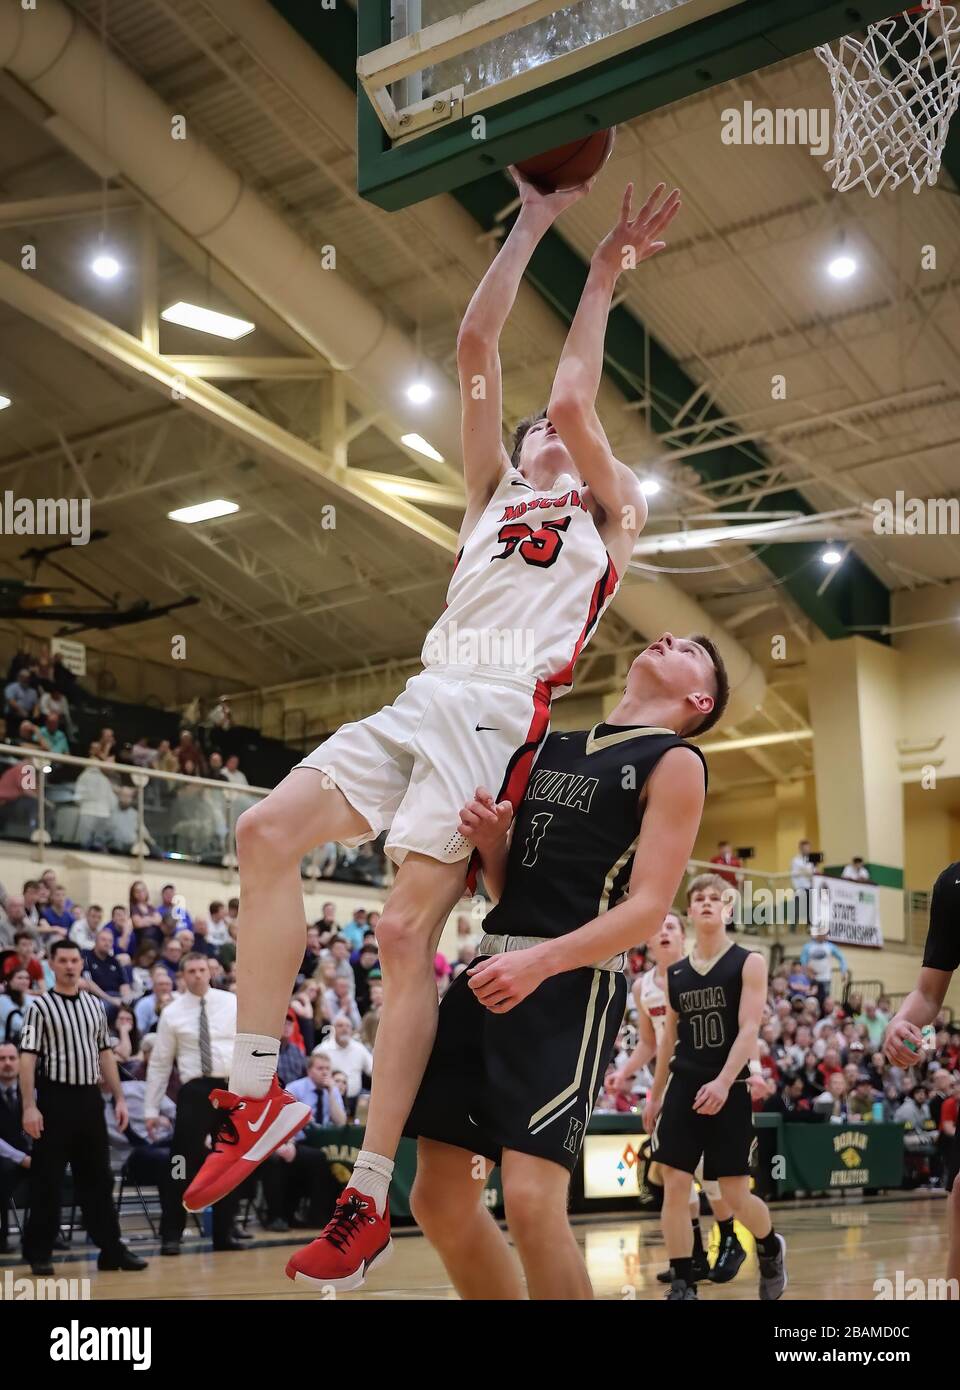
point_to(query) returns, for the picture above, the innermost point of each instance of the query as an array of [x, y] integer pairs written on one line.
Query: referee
[[65, 1031]]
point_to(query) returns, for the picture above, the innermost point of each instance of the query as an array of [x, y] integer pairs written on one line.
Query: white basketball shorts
[[410, 767]]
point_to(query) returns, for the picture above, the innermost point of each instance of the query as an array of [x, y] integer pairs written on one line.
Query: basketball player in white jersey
[[545, 536], [650, 1000]]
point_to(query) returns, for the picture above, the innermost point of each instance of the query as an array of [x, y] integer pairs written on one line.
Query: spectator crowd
[[140, 957], [820, 1052], [97, 808]]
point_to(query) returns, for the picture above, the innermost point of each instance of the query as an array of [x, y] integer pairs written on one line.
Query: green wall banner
[[836, 1158]]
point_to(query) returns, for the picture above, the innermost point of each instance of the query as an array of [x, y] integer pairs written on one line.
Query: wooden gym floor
[[834, 1253]]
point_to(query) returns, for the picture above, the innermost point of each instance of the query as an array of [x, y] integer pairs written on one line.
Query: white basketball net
[[895, 91]]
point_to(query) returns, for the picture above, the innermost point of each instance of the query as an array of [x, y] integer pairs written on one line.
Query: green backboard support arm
[[713, 50]]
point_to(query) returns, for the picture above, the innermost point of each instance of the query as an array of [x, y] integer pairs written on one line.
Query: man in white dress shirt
[[196, 1031], [347, 1055]]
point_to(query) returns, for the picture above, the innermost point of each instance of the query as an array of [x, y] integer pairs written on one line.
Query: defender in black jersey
[[595, 854], [903, 1039], [700, 1105]]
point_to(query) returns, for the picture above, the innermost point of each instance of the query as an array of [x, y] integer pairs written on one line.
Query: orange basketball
[[569, 165]]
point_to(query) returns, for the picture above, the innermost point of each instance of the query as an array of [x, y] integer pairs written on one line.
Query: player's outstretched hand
[[501, 982], [711, 1098], [635, 239], [551, 203], [483, 821], [896, 1043]]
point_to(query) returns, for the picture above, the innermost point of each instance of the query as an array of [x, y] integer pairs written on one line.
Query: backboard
[[449, 91]]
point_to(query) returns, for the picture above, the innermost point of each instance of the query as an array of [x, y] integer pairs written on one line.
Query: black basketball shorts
[[682, 1136], [526, 1079], [952, 1165]]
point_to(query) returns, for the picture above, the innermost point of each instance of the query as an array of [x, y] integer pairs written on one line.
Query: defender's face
[[678, 666]]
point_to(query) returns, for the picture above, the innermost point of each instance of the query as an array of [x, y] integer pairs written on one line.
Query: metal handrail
[[28, 753], [233, 795], [745, 870], [140, 777]]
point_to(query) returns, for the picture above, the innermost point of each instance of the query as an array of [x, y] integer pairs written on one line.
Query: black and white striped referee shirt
[[68, 1033]]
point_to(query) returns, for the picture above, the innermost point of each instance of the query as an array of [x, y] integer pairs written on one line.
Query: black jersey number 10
[[707, 1030]]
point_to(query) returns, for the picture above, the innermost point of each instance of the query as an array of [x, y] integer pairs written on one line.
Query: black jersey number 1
[[538, 828], [536, 547]]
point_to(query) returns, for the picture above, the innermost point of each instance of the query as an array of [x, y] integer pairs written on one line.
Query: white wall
[[930, 676]]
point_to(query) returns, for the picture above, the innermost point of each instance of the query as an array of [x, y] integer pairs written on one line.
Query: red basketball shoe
[[248, 1132], [354, 1241]]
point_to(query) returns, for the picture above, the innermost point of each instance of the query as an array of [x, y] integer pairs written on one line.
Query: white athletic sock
[[254, 1064], [371, 1176]]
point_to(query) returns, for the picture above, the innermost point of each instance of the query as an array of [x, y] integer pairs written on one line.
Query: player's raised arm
[[572, 403], [478, 342]]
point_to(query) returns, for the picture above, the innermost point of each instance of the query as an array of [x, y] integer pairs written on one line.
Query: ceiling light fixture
[[207, 320], [203, 511], [420, 445], [105, 266]]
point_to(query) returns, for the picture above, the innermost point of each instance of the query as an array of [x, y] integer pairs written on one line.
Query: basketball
[[569, 165]]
